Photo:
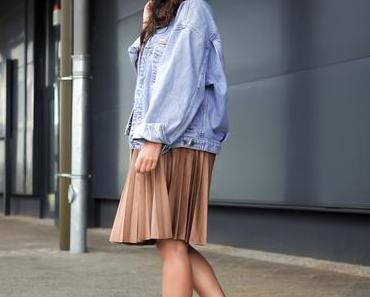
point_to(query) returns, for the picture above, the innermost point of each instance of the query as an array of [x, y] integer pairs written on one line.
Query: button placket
[[128, 125], [157, 56]]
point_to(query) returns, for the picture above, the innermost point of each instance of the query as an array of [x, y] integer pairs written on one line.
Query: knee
[[172, 247]]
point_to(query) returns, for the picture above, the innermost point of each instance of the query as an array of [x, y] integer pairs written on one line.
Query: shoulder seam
[[185, 22]]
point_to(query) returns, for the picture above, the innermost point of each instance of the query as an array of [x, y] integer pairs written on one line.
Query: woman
[[176, 128]]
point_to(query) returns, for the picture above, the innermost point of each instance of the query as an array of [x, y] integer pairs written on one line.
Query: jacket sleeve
[[175, 95], [133, 51]]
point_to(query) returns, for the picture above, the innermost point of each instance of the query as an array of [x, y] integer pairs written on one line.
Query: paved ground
[[31, 265]]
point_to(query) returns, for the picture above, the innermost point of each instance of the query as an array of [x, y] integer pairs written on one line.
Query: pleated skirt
[[168, 202]]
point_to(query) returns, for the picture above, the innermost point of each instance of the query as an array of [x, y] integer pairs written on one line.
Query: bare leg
[[176, 268], [204, 278]]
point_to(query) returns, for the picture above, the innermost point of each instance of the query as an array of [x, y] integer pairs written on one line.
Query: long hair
[[162, 12]]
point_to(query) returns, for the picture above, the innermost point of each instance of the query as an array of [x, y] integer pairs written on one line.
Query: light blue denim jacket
[[181, 89]]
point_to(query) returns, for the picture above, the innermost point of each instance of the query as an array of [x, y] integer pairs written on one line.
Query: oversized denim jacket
[[181, 89]]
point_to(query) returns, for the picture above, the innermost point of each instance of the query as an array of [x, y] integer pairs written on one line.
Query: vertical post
[[65, 122], [7, 152], [80, 118]]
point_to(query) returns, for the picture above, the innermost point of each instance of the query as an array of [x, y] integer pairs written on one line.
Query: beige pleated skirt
[[170, 201]]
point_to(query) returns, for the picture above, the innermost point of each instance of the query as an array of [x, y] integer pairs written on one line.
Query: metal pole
[[78, 191], [7, 148], [65, 122]]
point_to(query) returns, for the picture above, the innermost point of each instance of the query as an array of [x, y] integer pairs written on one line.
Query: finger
[[155, 161], [148, 165], [143, 165], [139, 161], [154, 164], [137, 164], [151, 165]]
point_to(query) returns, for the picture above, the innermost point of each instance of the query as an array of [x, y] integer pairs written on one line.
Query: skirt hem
[[152, 241]]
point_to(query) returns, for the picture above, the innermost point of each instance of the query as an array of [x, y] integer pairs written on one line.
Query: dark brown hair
[[162, 12]]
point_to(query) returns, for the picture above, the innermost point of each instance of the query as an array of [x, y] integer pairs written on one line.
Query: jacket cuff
[[165, 148], [150, 131]]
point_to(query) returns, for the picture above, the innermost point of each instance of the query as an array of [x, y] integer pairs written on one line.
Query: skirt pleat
[[170, 201]]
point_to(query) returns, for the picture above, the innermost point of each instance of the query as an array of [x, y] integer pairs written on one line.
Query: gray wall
[[22, 25], [16, 43], [299, 81], [115, 26]]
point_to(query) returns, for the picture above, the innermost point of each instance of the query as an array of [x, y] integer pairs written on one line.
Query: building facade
[[294, 175]]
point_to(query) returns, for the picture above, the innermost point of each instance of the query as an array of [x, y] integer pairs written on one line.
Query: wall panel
[[299, 77]]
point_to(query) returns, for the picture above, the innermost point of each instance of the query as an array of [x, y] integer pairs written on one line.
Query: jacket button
[[191, 142]]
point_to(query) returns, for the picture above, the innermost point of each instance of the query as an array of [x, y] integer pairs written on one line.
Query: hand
[[147, 12], [148, 157]]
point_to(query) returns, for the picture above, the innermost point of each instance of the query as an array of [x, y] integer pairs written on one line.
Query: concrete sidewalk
[[32, 265]]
